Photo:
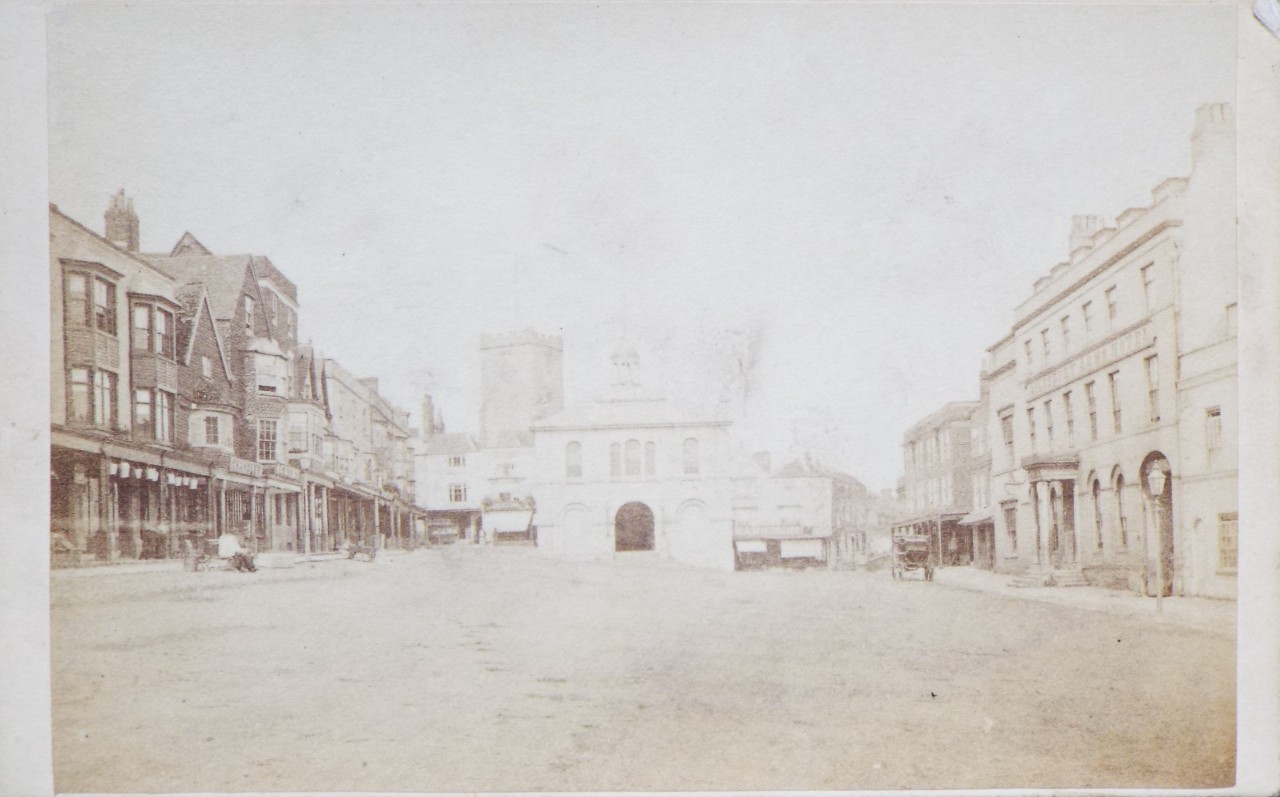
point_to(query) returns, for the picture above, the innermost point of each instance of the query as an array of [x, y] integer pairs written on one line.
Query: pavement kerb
[[176, 565], [1204, 614]]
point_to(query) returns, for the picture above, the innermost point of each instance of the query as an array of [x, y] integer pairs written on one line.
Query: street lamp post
[[1155, 488]]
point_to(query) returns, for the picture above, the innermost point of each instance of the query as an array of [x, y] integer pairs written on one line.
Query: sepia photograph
[[651, 396]]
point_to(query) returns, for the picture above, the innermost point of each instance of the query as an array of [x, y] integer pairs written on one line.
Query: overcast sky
[[862, 191]]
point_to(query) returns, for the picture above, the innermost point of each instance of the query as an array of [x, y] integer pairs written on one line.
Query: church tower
[[626, 369], [521, 381], [122, 223]]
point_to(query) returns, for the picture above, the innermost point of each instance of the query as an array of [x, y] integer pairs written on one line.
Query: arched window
[[573, 461], [633, 458], [650, 459], [691, 457], [1097, 515], [615, 460], [1122, 519]]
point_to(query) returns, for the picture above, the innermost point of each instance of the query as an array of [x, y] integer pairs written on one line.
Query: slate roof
[[513, 439], [268, 271], [806, 467], [451, 444], [628, 413], [222, 275], [188, 296]]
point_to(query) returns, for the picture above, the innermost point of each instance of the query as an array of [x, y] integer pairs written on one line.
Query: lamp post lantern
[[1155, 488]]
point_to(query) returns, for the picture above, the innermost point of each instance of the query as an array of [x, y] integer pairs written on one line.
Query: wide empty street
[[469, 669]]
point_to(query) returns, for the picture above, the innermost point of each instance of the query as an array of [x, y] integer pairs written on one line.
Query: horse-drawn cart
[[912, 553]]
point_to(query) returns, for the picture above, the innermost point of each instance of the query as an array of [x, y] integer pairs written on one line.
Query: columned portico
[[1053, 487]]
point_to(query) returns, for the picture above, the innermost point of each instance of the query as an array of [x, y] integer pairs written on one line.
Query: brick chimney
[[1083, 229], [122, 222]]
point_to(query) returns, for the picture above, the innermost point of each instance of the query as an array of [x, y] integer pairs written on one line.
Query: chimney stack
[[1083, 228], [1215, 130], [428, 416], [122, 222]]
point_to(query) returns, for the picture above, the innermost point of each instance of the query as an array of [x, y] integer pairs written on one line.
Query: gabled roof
[[306, 373], [223, 277], [195, 301], [806, 467], [137, 257], [268, 271], [452, 444], [188, 245]]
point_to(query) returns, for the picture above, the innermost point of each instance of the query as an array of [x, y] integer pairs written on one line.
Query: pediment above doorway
[[1051, 467]]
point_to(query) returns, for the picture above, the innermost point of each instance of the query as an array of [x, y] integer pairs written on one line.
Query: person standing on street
[[229, 547]]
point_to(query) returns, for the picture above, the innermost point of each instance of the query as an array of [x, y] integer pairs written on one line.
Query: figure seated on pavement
[[238, 556]]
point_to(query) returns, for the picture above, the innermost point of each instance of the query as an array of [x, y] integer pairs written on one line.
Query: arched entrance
[[633, 528], [1157, 488]]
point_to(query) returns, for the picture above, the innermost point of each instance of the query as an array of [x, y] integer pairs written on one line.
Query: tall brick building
[[183, 407]]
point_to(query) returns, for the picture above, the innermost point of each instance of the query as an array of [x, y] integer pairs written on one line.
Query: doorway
[[633, 528]]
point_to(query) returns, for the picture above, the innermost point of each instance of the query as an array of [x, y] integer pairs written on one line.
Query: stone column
[[1069, 518], [1059, 515], [108, 502], [1043, 519]]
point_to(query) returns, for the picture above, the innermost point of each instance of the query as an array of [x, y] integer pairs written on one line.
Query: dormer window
[[248, 312]]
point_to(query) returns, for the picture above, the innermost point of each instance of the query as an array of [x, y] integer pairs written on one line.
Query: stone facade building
[[521, 382], [937, 484], [450, 485], [632, 473], [802, 514], [1112, 399]]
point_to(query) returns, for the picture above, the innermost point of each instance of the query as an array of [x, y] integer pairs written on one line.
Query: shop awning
[[751, 546], [75, 442], [976, 518], [132, 454], [802, 549], [508, 520]]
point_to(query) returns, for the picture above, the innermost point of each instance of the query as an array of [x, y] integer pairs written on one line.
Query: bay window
[[152, 330], [104, 398], [142, 415], [104, 306], [164, 416], [81, 402], [153, 414], [267, 440]]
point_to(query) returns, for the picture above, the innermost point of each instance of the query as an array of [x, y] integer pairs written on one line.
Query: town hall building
[[632, 475]]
